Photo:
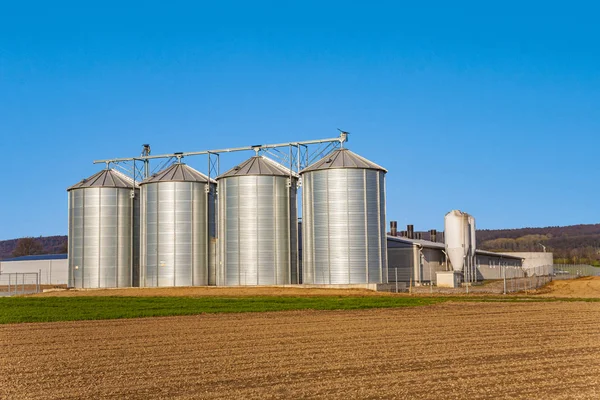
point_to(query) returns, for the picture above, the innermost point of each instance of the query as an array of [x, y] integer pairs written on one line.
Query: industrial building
[[181, 227], [53, 269], [425, 262]]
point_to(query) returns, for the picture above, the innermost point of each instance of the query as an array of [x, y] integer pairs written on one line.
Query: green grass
[[51, 309]]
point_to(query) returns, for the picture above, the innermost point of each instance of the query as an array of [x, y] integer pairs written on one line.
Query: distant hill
[[50, 245], [570, 244]]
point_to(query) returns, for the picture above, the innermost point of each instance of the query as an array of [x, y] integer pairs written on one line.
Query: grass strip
[[52, 309]]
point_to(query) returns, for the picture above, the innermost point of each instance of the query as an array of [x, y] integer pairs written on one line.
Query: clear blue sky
[[491, 109]]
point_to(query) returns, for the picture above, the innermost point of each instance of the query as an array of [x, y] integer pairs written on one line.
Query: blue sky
[[491, 109]]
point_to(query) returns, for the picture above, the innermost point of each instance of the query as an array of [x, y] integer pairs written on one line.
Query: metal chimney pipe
[[394, 228], [410, 231], [433, 235]]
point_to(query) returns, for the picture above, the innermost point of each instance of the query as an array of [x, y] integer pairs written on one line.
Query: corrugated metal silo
[[103, 231], [343, 221], [178, 228], [258, 230]]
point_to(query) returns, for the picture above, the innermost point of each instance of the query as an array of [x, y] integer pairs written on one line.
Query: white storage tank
[[178, 228], [459, 236], [258, 230], [343, 221], [103, 231]]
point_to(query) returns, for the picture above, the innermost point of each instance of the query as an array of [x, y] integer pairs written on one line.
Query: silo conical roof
[[258, 165], [177, 172], [342, 158], [108, 178]]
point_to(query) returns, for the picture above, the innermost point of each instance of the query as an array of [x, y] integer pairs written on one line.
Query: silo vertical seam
[[366, 216], [239, 235], [257, 242], [192, 229], [312, 227], [222, 245], [384, 242], [207, 232], [143, 222], [348, 244], [295, 226], [221, 235], [275, 220], [157, 235], [83, 238], [328, 228], [69, 242], [99, 234], [174, 233], [117, 239], [289, 227], [379, 223]]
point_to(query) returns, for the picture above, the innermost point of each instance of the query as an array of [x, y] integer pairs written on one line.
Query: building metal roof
[[342, 158], [178, 172], [258, 165], [39, 257], [107, 178], [442, 246], [494, 254], [419, 242]]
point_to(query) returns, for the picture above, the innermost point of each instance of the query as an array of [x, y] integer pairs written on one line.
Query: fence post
[[396, 273], [37, 282], [504, 270]]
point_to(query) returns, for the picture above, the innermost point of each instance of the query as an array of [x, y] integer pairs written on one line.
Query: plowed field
[[451, 350]]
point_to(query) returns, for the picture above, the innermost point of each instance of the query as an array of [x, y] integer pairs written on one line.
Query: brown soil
[[451, 350], [588, 287]]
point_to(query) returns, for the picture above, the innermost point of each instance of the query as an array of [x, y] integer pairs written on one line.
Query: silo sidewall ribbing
[[257, 230], [175, 232], [102, 251], [344, 240]]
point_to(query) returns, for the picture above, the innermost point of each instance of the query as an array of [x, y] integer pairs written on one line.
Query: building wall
[[412, 264], [401, 260], [53, 272], [534, 259], [490, 267], [432, 260]]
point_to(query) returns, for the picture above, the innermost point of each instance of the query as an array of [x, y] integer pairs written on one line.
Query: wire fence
[[19, 283], [493, 280], [573, 271]]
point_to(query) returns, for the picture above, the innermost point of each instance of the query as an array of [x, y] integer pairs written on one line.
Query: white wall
[[534, 259], [53, 272]]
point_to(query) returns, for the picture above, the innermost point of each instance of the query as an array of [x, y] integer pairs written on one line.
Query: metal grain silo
[[178, 228], [343, 221], [258, 230], [103, 231]]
